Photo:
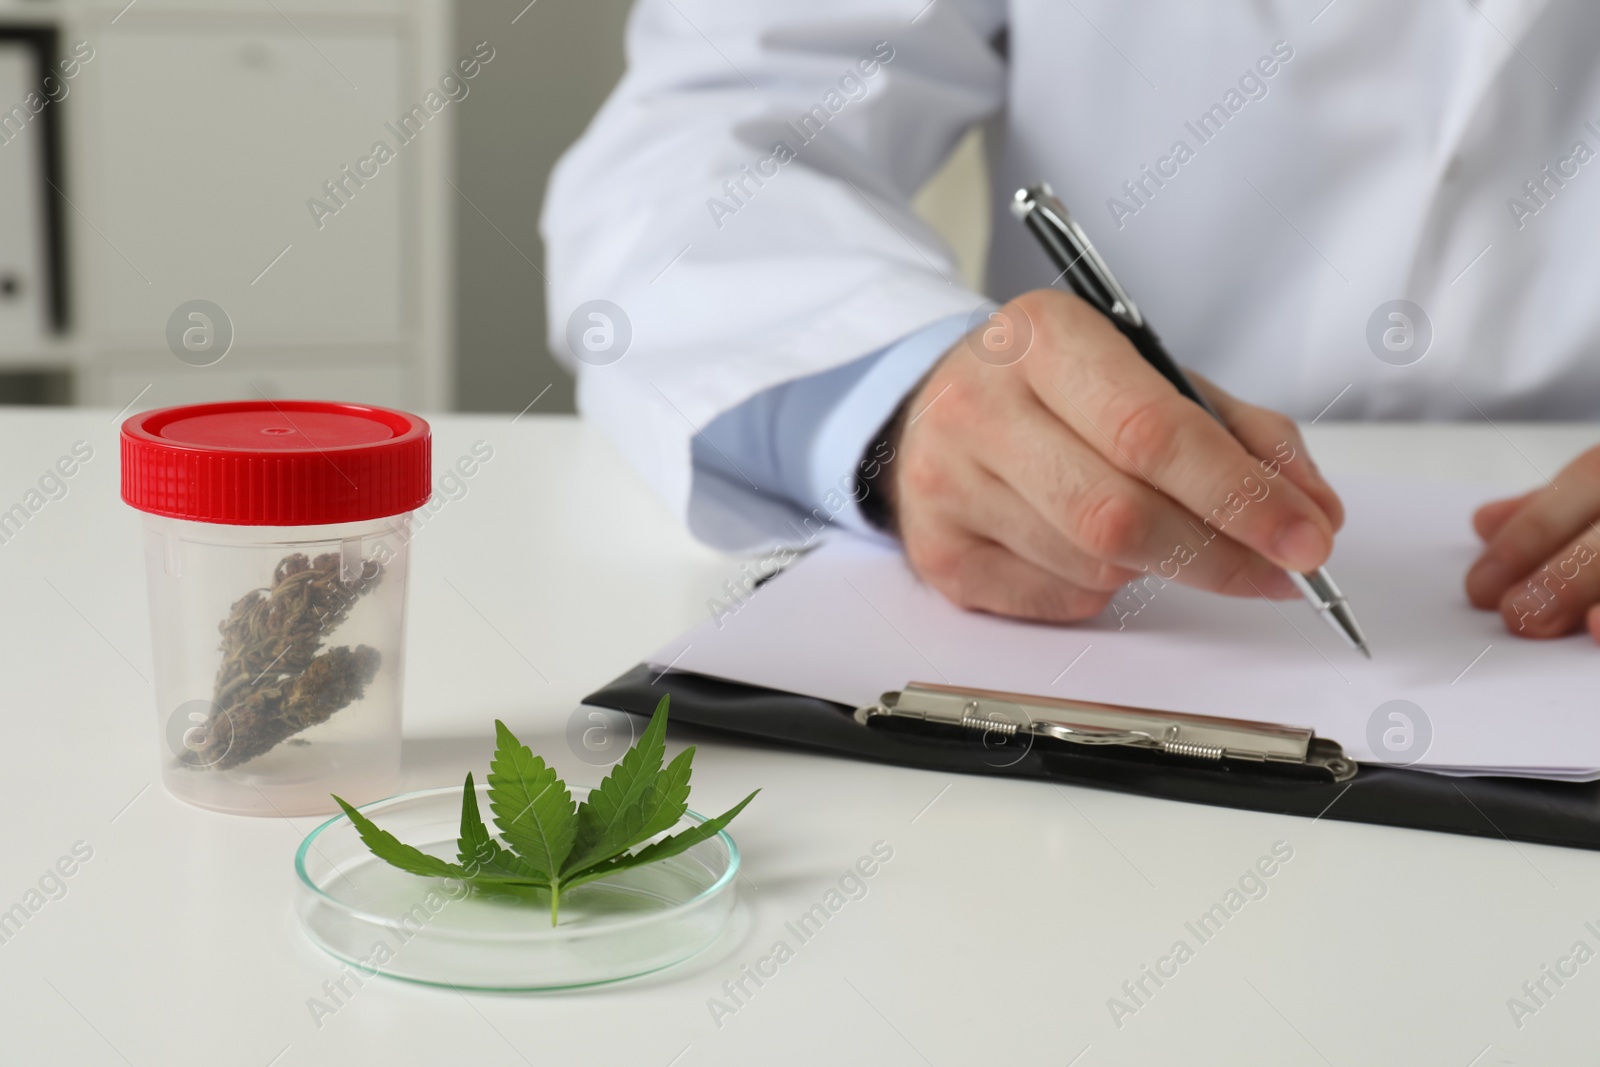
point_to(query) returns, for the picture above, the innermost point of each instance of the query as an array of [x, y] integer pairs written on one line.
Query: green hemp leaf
[[546, 844]]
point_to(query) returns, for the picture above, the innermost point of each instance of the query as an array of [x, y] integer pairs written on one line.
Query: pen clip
[[1082, 722], [1074, 253]]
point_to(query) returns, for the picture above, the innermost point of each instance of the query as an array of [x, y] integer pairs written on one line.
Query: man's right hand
[[1042, 465]]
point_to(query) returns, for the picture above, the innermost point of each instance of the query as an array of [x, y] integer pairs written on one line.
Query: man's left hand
[[1540, 566]]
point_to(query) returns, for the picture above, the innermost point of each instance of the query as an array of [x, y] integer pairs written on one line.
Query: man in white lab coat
[[1348, 208]]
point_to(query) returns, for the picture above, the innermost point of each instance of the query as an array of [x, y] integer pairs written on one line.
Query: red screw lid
[[276, 462]]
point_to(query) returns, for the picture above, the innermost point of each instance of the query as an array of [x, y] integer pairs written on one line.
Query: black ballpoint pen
[[1069, 248]]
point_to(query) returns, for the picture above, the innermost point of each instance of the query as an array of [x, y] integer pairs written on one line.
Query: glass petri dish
[[437, 931]]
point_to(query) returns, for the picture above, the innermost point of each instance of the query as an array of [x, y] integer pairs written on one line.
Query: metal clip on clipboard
[[1083, 723]]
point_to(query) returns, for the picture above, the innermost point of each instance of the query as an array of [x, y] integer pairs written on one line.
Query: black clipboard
[[1515, 809]]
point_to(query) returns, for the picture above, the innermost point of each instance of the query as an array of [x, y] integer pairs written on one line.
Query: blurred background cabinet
[[192, 141]]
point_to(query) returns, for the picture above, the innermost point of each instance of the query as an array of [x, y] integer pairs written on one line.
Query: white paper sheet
[[850, 622]]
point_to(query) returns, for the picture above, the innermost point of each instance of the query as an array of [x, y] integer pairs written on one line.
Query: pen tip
[[1365, 651]]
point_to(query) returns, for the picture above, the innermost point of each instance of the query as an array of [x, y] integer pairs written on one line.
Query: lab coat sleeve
[[741, 205]]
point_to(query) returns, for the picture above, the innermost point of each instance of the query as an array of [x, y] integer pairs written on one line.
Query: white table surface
[[1009, 914]]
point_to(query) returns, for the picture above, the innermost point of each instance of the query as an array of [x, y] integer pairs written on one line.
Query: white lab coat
[[1384, 158]]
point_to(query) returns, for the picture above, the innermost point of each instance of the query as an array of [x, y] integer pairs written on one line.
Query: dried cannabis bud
[[273, 682]]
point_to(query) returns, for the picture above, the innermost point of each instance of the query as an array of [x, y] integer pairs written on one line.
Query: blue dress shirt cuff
[[846, 432], [787, 458], [794, 451]]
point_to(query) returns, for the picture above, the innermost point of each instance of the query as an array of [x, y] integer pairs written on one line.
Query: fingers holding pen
[[1140, 424], [1104, 514], [1274, 438]]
